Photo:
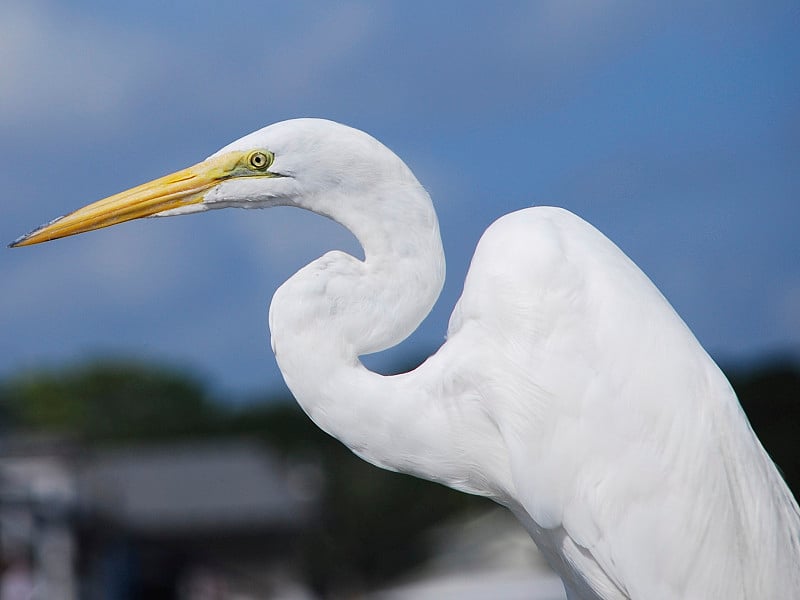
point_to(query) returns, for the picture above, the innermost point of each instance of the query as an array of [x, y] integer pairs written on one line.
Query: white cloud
[[336, 35], [62, 68], [58, 66], [125, 267]]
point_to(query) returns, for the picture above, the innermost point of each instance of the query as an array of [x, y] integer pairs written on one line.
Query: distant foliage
[[111, 401], [771, 398]]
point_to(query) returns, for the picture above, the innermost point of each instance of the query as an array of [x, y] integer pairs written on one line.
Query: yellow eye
[[260, 160]]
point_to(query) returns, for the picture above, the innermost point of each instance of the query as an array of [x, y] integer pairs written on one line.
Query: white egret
[[568, 389]]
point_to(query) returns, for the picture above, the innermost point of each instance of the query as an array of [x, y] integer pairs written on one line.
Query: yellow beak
[[182, 188]]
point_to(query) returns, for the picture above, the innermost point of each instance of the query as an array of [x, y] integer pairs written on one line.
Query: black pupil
[[258, 160]]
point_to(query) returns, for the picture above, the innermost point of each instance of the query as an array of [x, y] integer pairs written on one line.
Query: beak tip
[[19, 241], [25, 240]]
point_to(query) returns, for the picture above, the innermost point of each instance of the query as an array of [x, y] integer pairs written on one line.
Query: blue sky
[[673, 127]]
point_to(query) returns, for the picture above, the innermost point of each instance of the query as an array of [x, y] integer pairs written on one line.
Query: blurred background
[[148, 446]]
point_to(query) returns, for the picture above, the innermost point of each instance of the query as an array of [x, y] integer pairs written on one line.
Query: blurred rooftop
[[147, 521], [186, 487]]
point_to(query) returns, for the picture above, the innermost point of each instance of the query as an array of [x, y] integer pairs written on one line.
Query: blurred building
[[192, 521], [488, 556], [38, 495]]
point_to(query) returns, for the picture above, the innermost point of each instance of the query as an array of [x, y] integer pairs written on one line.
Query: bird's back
[[632, 462]]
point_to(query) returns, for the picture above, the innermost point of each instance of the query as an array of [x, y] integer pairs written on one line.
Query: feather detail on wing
[[628, 448]]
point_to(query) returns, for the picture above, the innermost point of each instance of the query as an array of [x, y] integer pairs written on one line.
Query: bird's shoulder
[[531, 266]]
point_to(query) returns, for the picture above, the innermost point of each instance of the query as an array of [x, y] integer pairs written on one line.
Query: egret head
[[297, 162]]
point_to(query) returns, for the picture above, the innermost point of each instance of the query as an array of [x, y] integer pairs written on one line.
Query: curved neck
[[338, 308]]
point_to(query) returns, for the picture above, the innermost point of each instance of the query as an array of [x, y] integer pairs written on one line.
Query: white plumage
[[568, 389]]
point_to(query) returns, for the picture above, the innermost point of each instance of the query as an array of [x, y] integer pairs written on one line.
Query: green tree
[[109, 401]]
